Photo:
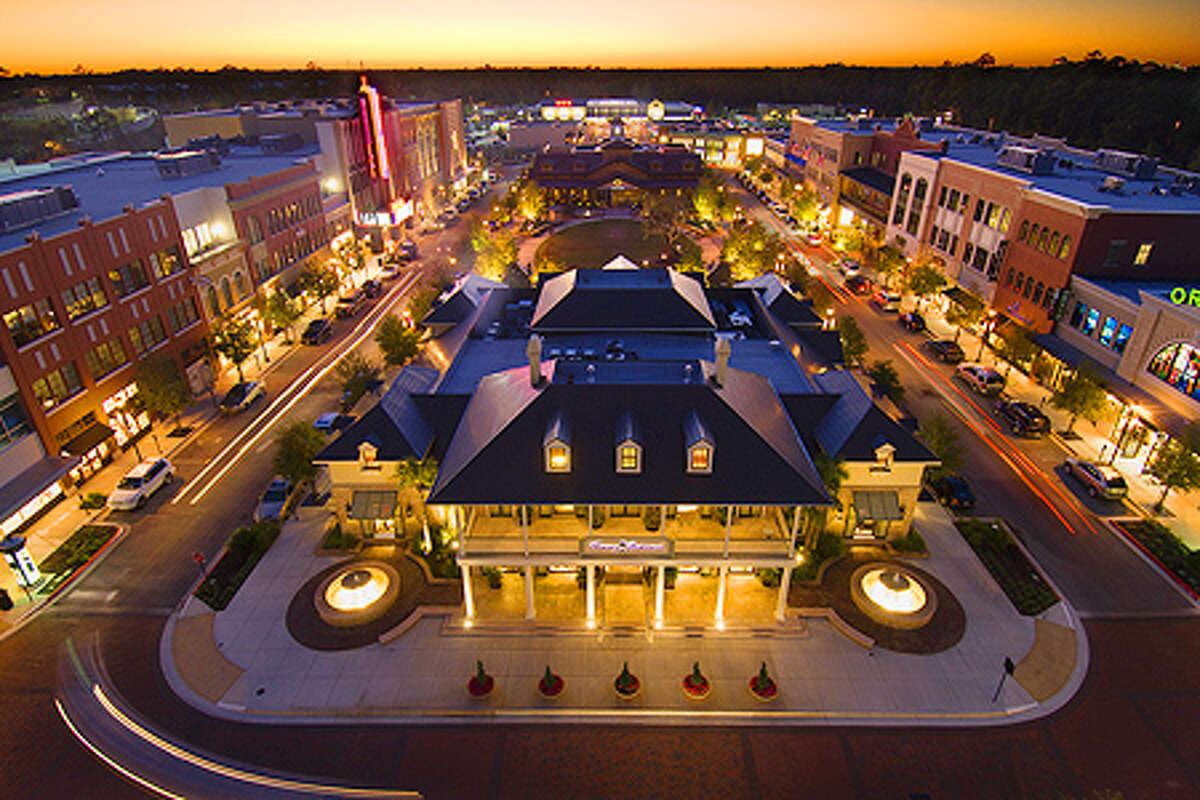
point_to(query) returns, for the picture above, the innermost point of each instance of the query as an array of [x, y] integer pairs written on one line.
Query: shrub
[[493, 577], [652, 518], [598, 516], [912, 543], [769, 576], [93, 500], [243, 542]]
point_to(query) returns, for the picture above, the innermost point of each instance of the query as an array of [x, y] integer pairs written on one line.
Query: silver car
[[270, 506], [1100, 481]]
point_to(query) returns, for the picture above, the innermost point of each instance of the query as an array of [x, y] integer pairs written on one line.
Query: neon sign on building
[[372, 127]]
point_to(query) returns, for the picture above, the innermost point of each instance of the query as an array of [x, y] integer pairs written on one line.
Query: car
[[319, 330], [952, 491], [270, 505], [1100, 481], [859, 285], [140, 483], [351, 304], [389, 272], [984, 380], [813, 239], [242, 396], [886, 300], [946, 350], [912, 321], [1024, 419], [849, 267], [372, 288]]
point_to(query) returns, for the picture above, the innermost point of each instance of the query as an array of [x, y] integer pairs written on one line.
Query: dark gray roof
[[620, 300], [496, 455], [455, 309], [395, 425], [855, 426], [875, 179]]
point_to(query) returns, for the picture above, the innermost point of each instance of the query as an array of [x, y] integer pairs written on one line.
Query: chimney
[[723, 351], [534, 351]]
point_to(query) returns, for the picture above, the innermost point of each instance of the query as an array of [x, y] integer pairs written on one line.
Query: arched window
[[239, 283], [1028, 286], [253, 230], [1179, 365], [214, 306], [1024, 230], [1020, 282], [226, 292], [1008, 279], [1054, 244], [1033, 235], [1064, 249], [1037, 293], [1043, 238]]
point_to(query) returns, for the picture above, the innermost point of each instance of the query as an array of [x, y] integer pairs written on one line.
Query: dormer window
[[629, 447], [700, 446], [367, 453], [884, 456], [556, 445]]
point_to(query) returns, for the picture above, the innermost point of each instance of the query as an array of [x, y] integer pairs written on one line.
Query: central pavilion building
[[632, 427]]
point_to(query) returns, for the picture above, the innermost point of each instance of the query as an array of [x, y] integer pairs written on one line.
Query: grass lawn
[[593, 244]]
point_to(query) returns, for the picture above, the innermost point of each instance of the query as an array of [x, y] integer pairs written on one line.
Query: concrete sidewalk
[[243, 664]]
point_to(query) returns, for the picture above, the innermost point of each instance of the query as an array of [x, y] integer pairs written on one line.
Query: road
[[1134, 726]]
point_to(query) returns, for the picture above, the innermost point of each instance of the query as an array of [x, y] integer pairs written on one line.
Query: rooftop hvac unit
[[1113, 183], [1131, 165], [1026, 159]]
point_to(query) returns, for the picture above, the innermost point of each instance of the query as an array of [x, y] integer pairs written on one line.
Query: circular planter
[[552, 692], [481, 690], [696, 692], [762, 698]]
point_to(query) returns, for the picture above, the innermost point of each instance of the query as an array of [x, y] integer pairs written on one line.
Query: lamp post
[[987, 330]]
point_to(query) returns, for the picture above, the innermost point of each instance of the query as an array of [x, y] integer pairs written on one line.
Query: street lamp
[[988, 324]]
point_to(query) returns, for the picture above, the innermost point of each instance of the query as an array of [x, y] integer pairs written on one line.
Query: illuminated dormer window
[[367, 453], [629, 445], [699, 444], [884, 456], [556, 445]]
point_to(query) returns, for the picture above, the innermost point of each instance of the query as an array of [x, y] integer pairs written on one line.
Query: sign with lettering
[[622, 547], [1184, 296]]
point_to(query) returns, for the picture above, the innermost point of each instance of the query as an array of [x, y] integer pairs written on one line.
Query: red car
[[859, 285]]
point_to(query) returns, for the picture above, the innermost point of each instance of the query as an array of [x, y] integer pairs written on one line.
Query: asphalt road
[[1133, 727]]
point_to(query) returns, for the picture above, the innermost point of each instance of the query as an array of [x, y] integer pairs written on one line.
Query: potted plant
[[493, 577], [551, 686], [481, 684], [762, 685], [627, 684], [669, 576], [652, 518], [695, 685]]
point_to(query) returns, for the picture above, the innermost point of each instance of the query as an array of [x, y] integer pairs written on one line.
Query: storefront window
[[1090, 323], [1108, 331], [1178, 365], [1122, 338]]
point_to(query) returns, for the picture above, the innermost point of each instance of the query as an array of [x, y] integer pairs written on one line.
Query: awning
[[32, 482], [367, 504], [1064, 351], [876, 505], [85, 441], [964, 298]]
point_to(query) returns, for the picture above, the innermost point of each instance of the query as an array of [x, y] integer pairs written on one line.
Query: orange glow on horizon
[[620, 33]]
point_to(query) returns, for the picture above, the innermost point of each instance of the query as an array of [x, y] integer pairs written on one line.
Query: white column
[[722, 579], [525, 529], [590, 569], [659, 587], [728, 528], [795, 530], [529, 612], [468, 597], [785, 581], [589, 533]]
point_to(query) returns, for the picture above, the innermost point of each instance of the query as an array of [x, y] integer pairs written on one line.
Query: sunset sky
[[40, 36]]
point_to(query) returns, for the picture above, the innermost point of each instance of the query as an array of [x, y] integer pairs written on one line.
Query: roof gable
[[622, 299]]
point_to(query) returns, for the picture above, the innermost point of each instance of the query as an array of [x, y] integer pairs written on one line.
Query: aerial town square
[[734, 400]]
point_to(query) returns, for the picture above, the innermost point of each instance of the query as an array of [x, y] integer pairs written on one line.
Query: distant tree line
[[1098, 101]]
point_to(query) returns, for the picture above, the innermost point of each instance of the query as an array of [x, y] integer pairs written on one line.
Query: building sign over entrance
[[1183, 296], [617, 547]]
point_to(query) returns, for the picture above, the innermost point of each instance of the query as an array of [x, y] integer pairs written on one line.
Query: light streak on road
[[296, 390]]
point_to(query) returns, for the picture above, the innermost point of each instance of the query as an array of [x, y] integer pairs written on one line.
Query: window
[[1108, 331], [700, 459], [1064, 249], [1043, 238], [1005, 220], [1179, 365], [1116, 252], [902, 199], [980, 260], [968, 249], [165, 262], [1028, 287], [104, 358], [1037, 293], [1054, 243], [1033, 235], [13, 422], [31, 322], [147, 335], [1089, 324], [980, 205], [83, 298], [1143, 254], [1077, 315], [180, 315], [942, 197], [933, 234], [558, 458], [55, 387], [1024, 231], [993, 215], [1122, 338], [1008, 279], [629, 457], [239, 283], [129, 278], [214, 305], [953, 201]]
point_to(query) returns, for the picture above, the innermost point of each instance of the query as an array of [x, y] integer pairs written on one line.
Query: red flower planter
[[480, 688], [696, 689], [553, 688], [766, 692]]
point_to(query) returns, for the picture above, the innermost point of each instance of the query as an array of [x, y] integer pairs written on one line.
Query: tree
[[358, 376], [531, 201], [321, 281], [295, 448], [708, 197], [889, 262], [942, 438], [750, 250], [399, 342], [351, 257], [1177, 467], [235, 339], [963, 316], [416, 478], [822, 298], [1080, 395], [886, 379], [281, 312], [162, 386], [1017, 348], [833, 473], [804, 205], [925, 280], [854, 343], [421, 301], [662, 214], [494, 251]]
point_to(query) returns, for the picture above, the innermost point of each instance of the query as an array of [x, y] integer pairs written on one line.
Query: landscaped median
[[74, 554], [1008, 564], [246, 547], [1167, 550]]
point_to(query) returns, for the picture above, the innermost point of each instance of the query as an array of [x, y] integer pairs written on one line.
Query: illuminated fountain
[[358, 593], [892, 595]]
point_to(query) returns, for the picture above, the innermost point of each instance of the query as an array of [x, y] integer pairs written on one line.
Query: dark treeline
[[1096, 102]]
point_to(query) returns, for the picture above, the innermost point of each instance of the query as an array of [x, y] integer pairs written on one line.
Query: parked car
[[1100, 481], [319, 330], [389, 272], [849, 267], [271, 504], [351, 304], [140, 483], [372, 288], [952, 491], [242, 396], [859, 285], [914, 322], [1024, 419], [984, 380], [886, 301], [946, 350], [813, 239]]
